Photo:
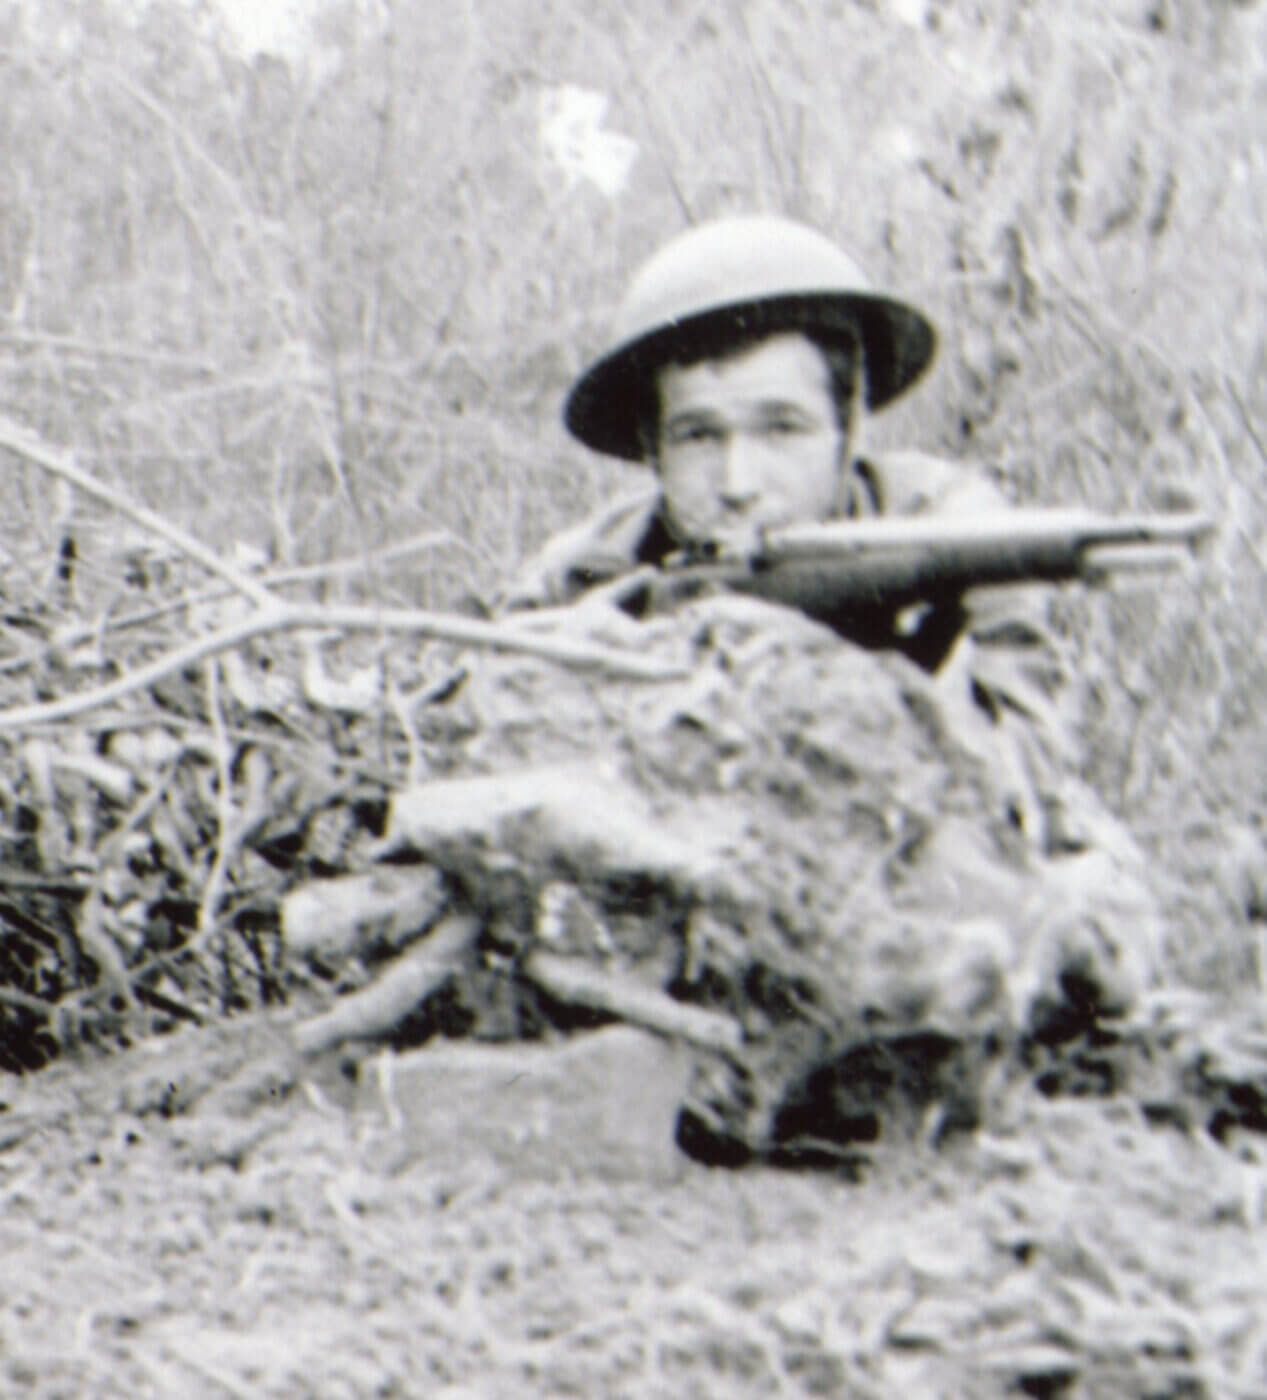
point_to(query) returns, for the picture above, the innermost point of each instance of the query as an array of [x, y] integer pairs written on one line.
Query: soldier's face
[[750, 440]]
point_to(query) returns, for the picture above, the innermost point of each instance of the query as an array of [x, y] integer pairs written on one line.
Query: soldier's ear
[[649, 442], [854, 430], [842, 504]]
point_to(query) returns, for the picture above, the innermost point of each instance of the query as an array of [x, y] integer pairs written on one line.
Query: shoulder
[[604, 542], [909, 482]]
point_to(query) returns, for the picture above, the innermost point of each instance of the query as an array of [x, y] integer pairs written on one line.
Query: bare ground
[[283, 1245]]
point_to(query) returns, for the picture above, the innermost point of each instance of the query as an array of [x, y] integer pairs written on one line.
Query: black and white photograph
[[632, 747]]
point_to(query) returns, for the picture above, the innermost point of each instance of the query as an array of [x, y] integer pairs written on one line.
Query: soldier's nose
[[741, 484]]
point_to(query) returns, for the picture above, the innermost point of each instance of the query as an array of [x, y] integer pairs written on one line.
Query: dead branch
[[277, 616], [355, 564], [227, 844], [1247, 421], [97, 943], [34, 449], [335, 917], [271, 578], [11, 996], [273, 614], [378, 1008], [100, 350], [580, 983]]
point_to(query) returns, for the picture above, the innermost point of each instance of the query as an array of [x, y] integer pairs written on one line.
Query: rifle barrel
[[1036, 528]]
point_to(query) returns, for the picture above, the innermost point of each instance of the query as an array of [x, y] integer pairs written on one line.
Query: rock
[[605, 1103]]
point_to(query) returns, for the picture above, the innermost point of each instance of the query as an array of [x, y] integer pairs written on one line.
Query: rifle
[[886, 565]]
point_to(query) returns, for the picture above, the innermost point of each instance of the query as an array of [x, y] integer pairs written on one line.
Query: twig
[[21, 716], [48, 882], [767, 103], [169, 959], [178, 131], [10, 996], [300, 747], [27, 444], [398, 705], [161, 1001], [92, 933], [1248, 422], [279, 616], [658, 131], [376, 1009], [428, 539], [225, 812], [235, 825], [581, 983], [33, 927], [99, 350]]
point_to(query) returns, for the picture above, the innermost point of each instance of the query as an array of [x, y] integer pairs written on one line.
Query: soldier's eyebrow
[[809, 416]]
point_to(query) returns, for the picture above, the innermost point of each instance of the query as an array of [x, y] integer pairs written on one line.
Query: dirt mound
[[796, 836], [795, 856]]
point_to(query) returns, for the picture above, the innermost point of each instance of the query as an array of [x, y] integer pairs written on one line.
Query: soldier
[[746, 356], [745, 359]]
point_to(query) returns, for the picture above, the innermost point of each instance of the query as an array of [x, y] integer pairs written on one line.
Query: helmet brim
[[611, 402]]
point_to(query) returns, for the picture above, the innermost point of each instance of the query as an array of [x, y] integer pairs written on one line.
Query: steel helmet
[[739, 276]]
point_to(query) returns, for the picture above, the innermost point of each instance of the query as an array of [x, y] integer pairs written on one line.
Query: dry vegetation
[[328, 315]]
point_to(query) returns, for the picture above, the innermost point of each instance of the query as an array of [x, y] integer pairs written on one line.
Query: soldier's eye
[[786, 425], [691, 433]]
